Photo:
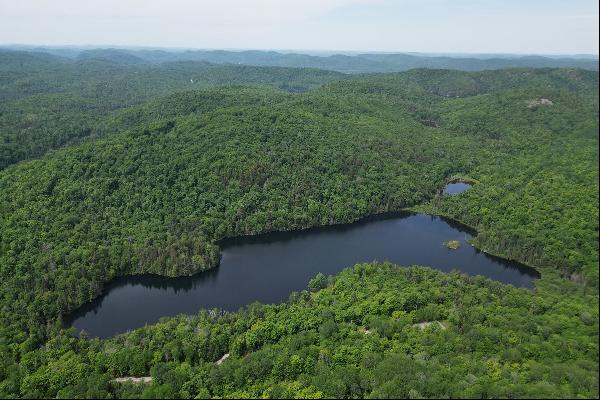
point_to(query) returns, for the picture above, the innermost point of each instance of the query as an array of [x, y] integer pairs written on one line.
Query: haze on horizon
[[434, 26]]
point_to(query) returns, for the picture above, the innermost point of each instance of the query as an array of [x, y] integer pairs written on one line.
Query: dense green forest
[[350, 336], [174, 174], [47, 102]]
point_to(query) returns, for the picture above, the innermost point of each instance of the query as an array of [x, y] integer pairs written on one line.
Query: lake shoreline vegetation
[[374, 217], [462, 179], [272, 256], [172, 174]]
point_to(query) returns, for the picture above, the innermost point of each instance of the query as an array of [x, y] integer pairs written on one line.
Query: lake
[[267, 268]]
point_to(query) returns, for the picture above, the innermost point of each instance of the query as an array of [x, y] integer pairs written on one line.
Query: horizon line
[[299, 50]]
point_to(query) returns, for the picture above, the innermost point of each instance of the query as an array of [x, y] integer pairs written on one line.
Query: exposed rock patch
[[423, 325], [220, 360], [539, 102], [132, 379]]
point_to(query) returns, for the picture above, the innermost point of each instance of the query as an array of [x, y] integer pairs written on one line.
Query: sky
[[435, 26]]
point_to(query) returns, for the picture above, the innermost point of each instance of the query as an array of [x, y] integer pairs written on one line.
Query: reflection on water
[[267, 268]]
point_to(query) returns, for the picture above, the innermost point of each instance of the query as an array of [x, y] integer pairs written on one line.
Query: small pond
[[456, 188]]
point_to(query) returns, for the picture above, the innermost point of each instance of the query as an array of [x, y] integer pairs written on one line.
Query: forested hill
[[173, 175], [48, 101]]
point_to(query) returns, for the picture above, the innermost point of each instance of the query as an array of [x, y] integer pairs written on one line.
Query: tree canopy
[[169, 174]]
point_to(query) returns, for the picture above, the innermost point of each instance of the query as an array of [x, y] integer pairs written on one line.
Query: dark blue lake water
[[267, 268]]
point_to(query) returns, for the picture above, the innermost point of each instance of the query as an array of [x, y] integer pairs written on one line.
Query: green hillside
[[47, 102], [362, 335]]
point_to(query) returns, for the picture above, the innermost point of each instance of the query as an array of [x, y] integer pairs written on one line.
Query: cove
[[267, 268]]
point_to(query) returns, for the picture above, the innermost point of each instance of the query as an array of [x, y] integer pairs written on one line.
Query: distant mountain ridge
[[348, 63]]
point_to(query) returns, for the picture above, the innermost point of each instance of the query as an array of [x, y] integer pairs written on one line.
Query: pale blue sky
[[461, 26]]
